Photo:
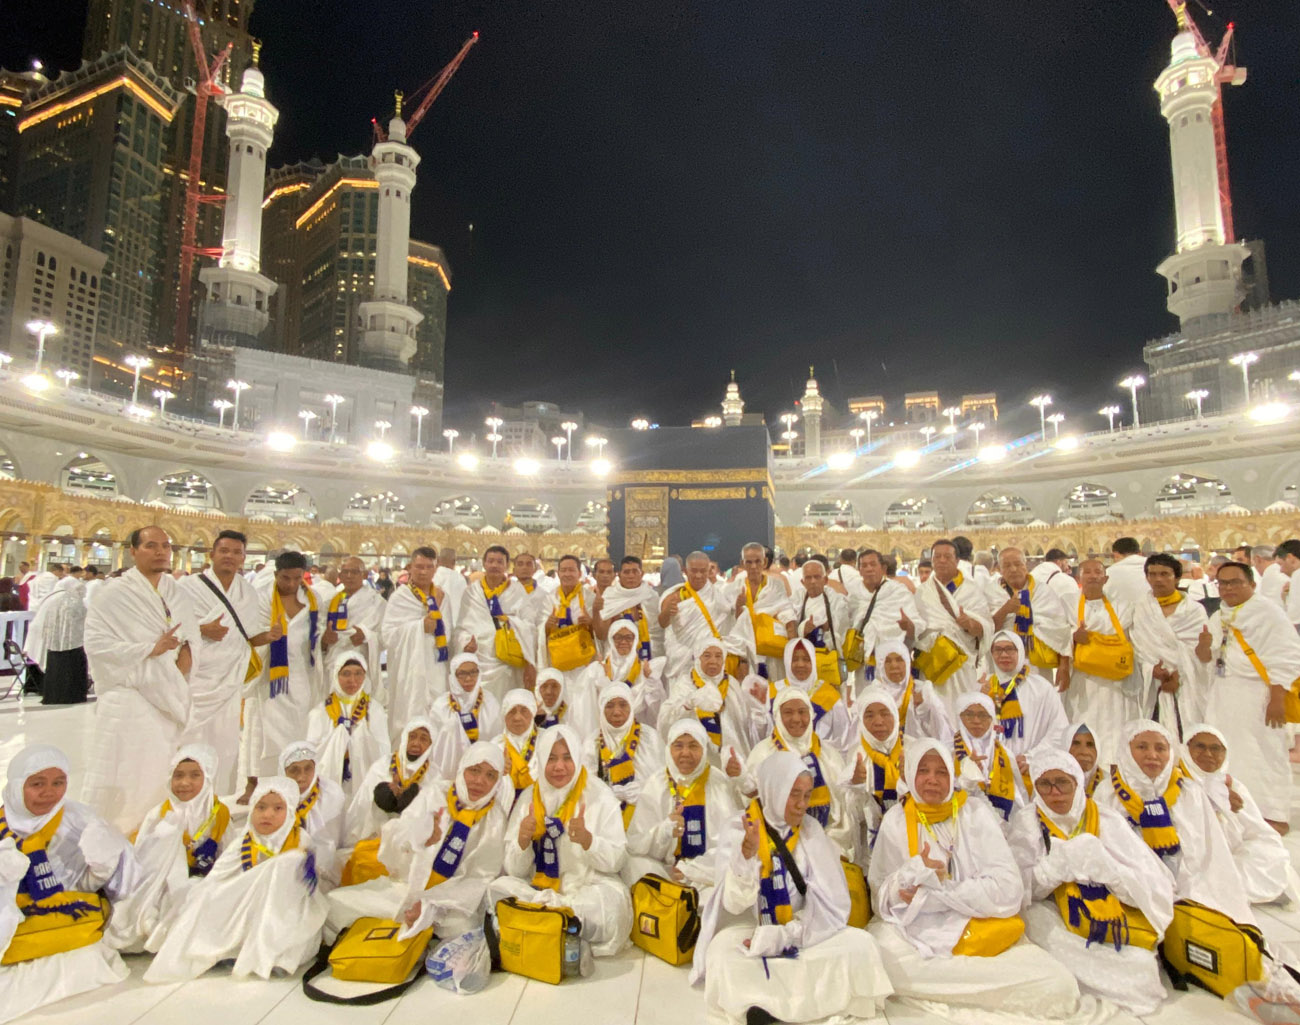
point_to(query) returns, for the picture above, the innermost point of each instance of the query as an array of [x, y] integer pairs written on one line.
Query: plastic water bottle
[[572, 951]]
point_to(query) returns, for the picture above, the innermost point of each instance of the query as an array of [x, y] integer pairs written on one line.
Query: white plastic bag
[[461, 964]]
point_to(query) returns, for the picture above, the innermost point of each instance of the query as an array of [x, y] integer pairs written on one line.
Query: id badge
[[1220, 668]]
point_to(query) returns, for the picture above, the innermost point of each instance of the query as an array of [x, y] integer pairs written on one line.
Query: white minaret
[[236, 309], [387, 323], [733, 407], [1204, 272], [812, 418]]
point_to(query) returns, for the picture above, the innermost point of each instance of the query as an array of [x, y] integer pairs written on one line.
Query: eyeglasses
[[1055, 786], [466, 674]]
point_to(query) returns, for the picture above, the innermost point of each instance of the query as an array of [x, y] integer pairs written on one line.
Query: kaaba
[[676, 490]]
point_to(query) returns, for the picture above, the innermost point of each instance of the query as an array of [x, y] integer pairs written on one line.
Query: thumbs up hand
[[578, 831]]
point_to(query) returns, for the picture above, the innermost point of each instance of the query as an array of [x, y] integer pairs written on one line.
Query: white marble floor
[[631, 988]]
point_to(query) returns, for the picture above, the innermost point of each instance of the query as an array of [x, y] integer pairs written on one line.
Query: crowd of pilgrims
[[274, 757]]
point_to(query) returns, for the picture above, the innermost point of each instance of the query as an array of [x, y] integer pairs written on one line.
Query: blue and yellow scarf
[[1000, 787], [456, 841], [439, 627], [711, 721], [773, 879], [819, 803], [1007, 703], [1152, 817], [468, 716], [279, 671], [549, 829], [620, 766], [336, 616], [1089, 910], [694, 840]]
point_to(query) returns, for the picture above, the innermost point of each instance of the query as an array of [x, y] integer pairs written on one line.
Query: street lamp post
[[952, 412], [568, 427], [709, 421], [869, 416], [928, 432], [494, 437], [976, 427], [951, 431], [558, 442], [1110, 412], [598, 443], [1197, 395], [162, 395], [451, 434], [306, 416], [640, 424], [789, 437], [790, 419], [221, 405], [382, 426], [42, 329], [1042, 402], [1244, 360], [1056, 419], [67, 376], [137, 363], [1133, 382], [334, 401], [857, 434], [238, 387], [419, 412]]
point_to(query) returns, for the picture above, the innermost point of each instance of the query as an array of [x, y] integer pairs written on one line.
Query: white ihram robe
[[1114, 858], [450, 738], [916, 939], [217, 678], [771, 600], [1105, 705], [970, 599], [589, 879], [1238, 698], [474, 619], [875, 615], [742, 720], [417, 667], [266, 917], [689, 627], [836, 971], [1043, 720], [925, 715], [86, 854], [1172, 640], [143, 703], [272, 722], [338, 743], [365, 613], [646, 679], [1052, 624]]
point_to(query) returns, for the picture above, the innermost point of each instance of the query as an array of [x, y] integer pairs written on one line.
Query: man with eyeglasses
[[1256, 662]]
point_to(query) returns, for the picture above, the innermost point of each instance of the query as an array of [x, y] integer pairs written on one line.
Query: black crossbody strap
[[871, 607], [787, 859], [226, 602]]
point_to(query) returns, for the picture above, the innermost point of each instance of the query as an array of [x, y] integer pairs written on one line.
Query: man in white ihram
[[1126, 577], [955, 607], [141, 637], [354, 616]]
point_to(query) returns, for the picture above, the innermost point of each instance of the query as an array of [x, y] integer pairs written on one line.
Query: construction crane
[[429, 91], [208, 86], [1225, 74]]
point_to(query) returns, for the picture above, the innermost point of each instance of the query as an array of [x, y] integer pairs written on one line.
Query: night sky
[[963, 195]]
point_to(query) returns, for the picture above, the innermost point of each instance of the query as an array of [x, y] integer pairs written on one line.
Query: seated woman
[[947, 894], [1096, 898], [831, 716], [259, 905], [1083, 747], [56, 858], [321, 809], [1257, 850], [1170, 811], [178, 843], [624, 752], [466, 713], [881, 752], [556, 706], [983, 762], [682, 814], [565, 846], [1027, 706], [623, 664], [732, 718], [920, 712], [518, 740], [350, 730], [390, 785], [792, 731], [775, 944], [441, 853]]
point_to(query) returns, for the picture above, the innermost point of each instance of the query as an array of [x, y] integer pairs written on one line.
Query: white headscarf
[[192, 814], [811, 682], [1143, 785], [407, 765], [553, 797], [620, 666], [542, 676], [914, 751], [287, 789], [519, 698], [1044, 759], [614, 738], [893, 648], [776, 778], [1082, 727], [1215, 783], [298, 751], [339, 661], [464, 698], [478, 753], [1004, 678], [29, 761], [876, 694], [982, 746], [700, 648], [799, 745], [688, 728]]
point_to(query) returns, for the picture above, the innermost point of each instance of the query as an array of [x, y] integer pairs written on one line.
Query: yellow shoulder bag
[[666, 918], [369, 950], [989, 937], [945, 656], [769, 634], [506, 647], [531, 938], [570, 647], [859, 897], [1211, 949], [1292, 697], [1109, 656]]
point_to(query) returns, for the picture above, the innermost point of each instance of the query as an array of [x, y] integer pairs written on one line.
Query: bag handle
[[226, 602], [365, 999], [787, 859]]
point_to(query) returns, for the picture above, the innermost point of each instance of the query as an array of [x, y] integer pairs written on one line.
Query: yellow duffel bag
[[570, 647], [665, 918], [79, 923], [369, 950], [531, 938], [859, 897], [1210, 949], [506, 647], [941, 661]]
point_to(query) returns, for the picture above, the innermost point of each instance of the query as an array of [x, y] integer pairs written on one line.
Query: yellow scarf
[[546, 855], [887, 771], [520, 777], [456, 839], [213, 828], [819, 803], [395, 769], [712, 721], [918, 815], [1000, 787], [251, 853], [470, 727], [307, 802], [773, 881], [691, 843], [1170, 599], [1152, 817], [1089, 910], [620, 766]]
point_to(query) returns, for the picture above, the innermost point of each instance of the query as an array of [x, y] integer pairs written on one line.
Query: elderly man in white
[[691, 613], [762, 609], [354, 617], [886, 610], [1037, 616], [956, 612]]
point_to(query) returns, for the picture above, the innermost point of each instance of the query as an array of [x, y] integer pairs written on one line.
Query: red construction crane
[[207, 87], [1225, 73], [429, 91]]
